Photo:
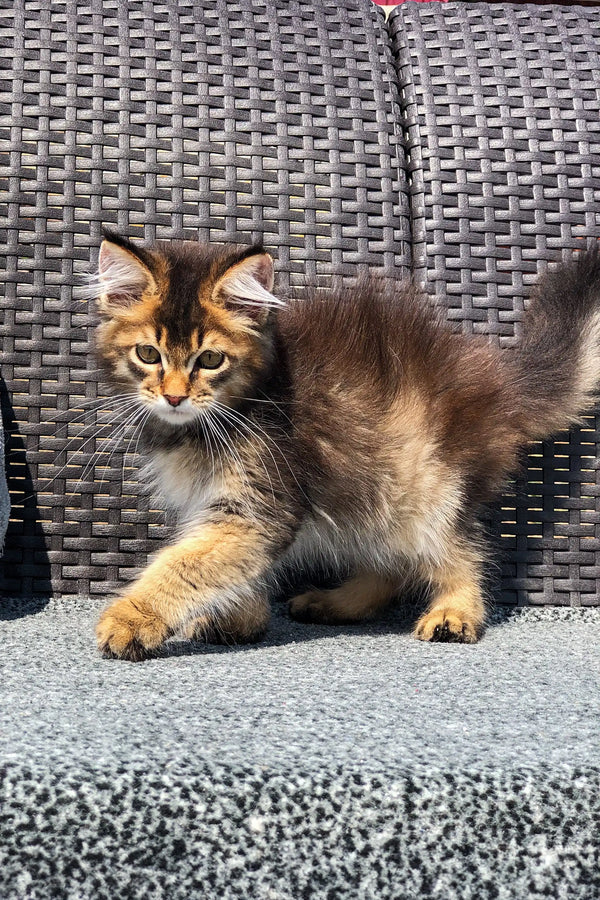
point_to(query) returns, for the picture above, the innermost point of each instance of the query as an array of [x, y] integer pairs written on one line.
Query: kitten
[[350, 430]]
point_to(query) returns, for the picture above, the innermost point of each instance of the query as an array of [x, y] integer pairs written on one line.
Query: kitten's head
[[185, 326]]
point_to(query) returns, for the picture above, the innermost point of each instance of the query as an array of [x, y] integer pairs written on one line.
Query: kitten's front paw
[[447, 626], [129, 629]]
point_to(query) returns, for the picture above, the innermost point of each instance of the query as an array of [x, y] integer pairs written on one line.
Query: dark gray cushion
[[254, 120], [4, 495], [500, 115]]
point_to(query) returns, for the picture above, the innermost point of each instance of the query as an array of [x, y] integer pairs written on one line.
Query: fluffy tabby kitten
[[351, 430]]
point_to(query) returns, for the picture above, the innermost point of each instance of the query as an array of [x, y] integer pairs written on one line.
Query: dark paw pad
[[444, 634], [134, 651]]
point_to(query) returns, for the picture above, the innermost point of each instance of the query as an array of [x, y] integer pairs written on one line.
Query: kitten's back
[[375, 365]]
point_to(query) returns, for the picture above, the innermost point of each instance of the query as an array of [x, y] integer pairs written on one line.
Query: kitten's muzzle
[[173, 400]]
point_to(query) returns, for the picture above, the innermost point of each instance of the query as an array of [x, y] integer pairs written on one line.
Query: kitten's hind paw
[[311, 608], [129, 630], [335, 606], [357, 599], [447, 626]]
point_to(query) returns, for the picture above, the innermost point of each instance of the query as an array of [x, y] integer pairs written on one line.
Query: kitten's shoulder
[[364, 321]]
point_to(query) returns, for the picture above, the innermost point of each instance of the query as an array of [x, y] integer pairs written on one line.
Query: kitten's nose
[[174, 401]]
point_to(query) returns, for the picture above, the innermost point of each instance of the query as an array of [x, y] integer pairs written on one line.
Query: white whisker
[[112, 444], [252, 427], [224, 411]]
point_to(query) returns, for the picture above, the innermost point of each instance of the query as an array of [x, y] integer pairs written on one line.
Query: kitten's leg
[[209, 572], [239, 626], [457, 611], [360, 597]]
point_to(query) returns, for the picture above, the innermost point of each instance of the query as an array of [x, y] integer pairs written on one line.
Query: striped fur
[[351, 431]]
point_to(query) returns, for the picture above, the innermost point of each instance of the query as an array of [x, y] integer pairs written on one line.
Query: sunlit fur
[[348, 430]]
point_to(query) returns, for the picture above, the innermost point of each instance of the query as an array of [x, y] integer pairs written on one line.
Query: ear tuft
[[247, 285], [122, 276]]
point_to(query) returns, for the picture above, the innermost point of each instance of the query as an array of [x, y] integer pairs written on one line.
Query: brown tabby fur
[[356, 432]]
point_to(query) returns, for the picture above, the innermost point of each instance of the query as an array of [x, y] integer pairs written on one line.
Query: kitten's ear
[[123, 276], [247, 285]]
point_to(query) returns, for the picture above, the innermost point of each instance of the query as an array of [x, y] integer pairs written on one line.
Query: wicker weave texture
[[204, 119], [501, 116]]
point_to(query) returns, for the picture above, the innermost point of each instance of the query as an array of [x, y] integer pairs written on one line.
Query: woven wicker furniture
[[459, 142]]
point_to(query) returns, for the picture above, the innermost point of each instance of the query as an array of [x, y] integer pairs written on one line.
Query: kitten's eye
[[210, 359], [147, 353]]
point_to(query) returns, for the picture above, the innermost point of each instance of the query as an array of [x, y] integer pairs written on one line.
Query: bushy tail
[[558, 360]]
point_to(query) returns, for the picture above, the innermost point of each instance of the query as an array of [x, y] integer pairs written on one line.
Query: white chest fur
[[183, 482]]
